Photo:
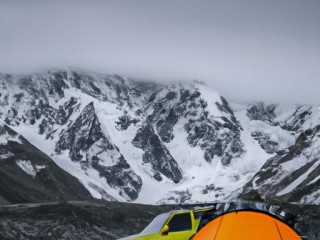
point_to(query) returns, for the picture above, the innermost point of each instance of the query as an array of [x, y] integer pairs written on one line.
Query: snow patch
[[29, 168], [6, 155], [5, 138], [298, 181]]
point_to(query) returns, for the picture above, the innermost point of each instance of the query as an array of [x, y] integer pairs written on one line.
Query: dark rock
[[157, 176], [215, 140], [208, 188], [224, 107], [41, 180], [156, 153], [18, 97], [152, 97], [203, 130], [171, 96], [95, 89], [124, 122], [121, 177], [260, 111], [265, 142], [85, 136], [298, 118], [272, 179], [58, 84]]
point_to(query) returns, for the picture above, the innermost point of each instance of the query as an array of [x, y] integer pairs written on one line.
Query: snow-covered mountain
[[145, 142]]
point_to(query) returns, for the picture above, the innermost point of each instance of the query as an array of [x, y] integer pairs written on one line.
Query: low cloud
[[248, 50]]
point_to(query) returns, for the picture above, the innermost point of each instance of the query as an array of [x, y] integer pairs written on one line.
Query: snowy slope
[[124, 139], [292, 175]]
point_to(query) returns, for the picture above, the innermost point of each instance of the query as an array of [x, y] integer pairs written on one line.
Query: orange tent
[[246, 225]]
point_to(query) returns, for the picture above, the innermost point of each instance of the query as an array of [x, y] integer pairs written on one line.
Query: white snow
[[108, 115], [212, 97], [286, 112], [90, 178], [313, 198], [97, 186], [4, 138], [298, 181], [255, 156], [6, 155], [314, 180], [29, 168]]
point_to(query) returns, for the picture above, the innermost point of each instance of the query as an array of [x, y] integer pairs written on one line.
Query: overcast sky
[[247, 50]]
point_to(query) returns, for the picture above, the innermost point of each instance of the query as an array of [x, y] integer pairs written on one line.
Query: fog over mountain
[[247, 50]]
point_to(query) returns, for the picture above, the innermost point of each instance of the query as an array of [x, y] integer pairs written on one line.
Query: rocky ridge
[[121, 138]]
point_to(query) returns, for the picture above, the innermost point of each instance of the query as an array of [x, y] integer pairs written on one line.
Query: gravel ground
[[108, 220]]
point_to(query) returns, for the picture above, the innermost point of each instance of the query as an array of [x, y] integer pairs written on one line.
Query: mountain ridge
[[122, 138]]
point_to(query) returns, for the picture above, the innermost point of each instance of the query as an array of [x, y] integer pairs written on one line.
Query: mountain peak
[[122, 138]]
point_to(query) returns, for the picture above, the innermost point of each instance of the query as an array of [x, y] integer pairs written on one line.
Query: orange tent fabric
[[246, 225]]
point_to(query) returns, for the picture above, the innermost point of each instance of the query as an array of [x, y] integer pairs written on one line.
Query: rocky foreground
[[111, 220], [75, 220]]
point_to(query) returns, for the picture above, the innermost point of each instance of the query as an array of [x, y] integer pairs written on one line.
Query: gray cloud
[[247, 50]]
